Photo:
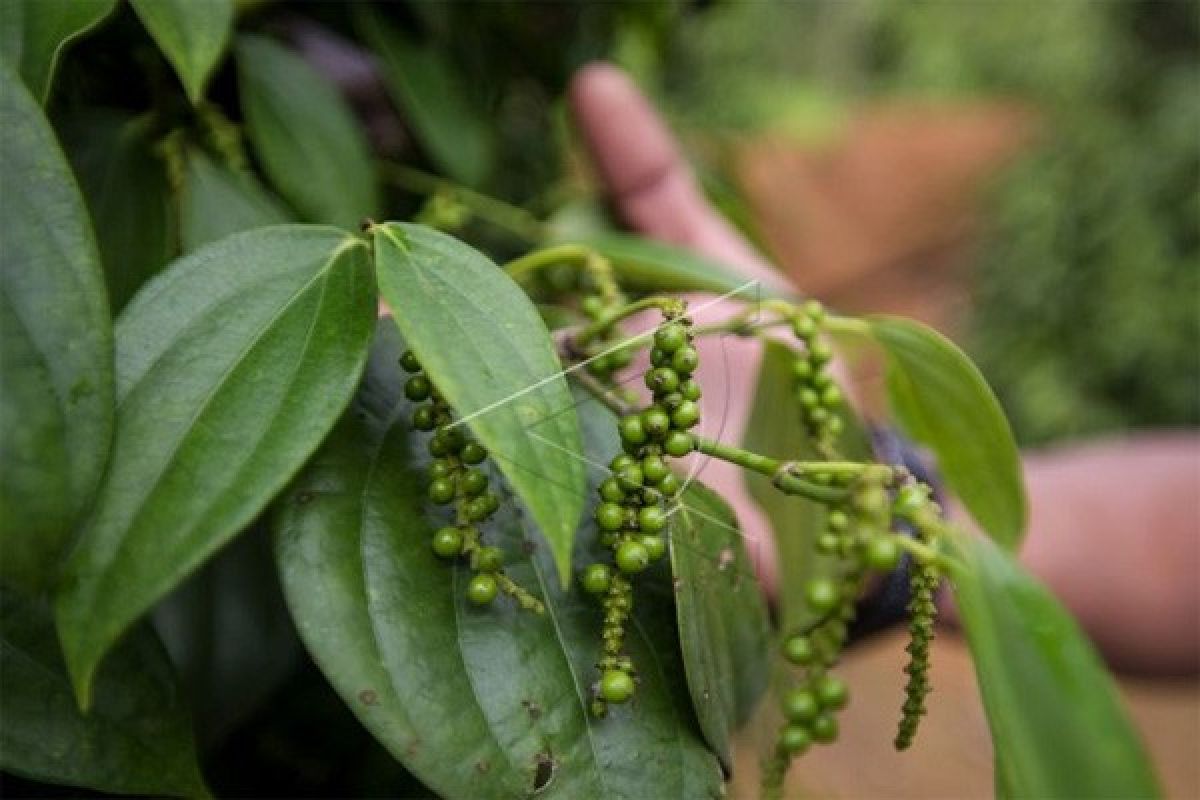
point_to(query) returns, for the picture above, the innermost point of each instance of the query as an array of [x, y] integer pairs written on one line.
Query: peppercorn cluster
[[632, 512], [457, 478], [819, 397], [913, 502]]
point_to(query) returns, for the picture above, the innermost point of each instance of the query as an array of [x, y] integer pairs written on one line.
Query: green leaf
[[232, 365], [649, 266], [37, 31], [136, 740], [216, 201], [1056, 718], [56, 409], [486, 349], [940, 399], [192, 35], [481, 703], [455, 131], [724, 632], [125, 186], [308, 140], [775, 429]]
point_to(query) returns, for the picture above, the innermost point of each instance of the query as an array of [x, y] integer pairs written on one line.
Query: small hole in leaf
[[546, 765]]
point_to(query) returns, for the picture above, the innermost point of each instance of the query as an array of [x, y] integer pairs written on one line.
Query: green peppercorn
[[909, 499], [670, 337], [596, 578], [820, 353], [837, 520], [824, 728], [417, 388], [620, 462], [670, 485], [482, 589], [831, 692], [798, 650], [632, 430], [833, 426], [619, 359], [652, 519], [804, 327], [610, 516], [600, 366], [488, 559], [441, 491], [440, 468], [794, 740], [690, 390], [423, 418], [437, 447], [659, 357], [881, 553], [630, 477], [472, 453], [814, 309], [479, 508], [632, 557], [685, 360], [800, 705], [616, 686], [807, 398], [822, 595], [592, 305], [831, 397], [656, 422], [655, 545], [662, 380], [818, 415], [473, 482], [686, 416], [678, 444], [871, 500], [654, 469], [802, 369], [409, 362], [448, 542], [827, 543], [611, 491]]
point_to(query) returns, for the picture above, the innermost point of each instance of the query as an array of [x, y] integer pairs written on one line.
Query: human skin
[[1114, 526]]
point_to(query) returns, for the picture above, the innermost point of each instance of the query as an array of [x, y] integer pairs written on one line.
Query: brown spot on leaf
[[532, 708], [482, 766], [303, 497], [368, 697]]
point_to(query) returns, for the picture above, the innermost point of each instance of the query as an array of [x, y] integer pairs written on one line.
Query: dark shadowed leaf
[[475, 702], [450, 125], [775, 429], [486, 349], [217, 201], [56, 408], [1056, 718], [37, 31], [724, 632], [232, 365], [125, 186], [137, 738], [940, 399], [192, 35], [310, 145]]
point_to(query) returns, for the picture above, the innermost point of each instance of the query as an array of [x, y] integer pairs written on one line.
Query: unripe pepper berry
[[795, 739], [489, 559], [690, 390], [832, 692], [685, 360], [417, 388], [654, 469], [632, 557], [611, 491], [656, 422], [441, 491], [482, 589], [662, 380], [632, 430], [409, 362], [678, 444], [616, 686], [656, 546], [596, 578], [822, 595], [670, 485], [670, 337], [800, 705], [472, 453], [610, 516], [652, 519], [824, 728], [448, 542], [630, 477], [881, 553], [687, 415], [474, 482], [423, 419], [798, 650]]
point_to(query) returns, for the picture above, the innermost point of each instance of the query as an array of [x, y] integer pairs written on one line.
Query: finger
[[647, 177]]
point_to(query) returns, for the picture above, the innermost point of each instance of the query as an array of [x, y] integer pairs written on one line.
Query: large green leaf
[[479, 703], [125, 186], [217, 201], [192, 34], [724, 632], [650, 266], [1056, 718], [940, 399], [452, 128], [56, 407], [775, 429], [137, 738], [487, 350], [232, 365], [37, 31], [309, 143]]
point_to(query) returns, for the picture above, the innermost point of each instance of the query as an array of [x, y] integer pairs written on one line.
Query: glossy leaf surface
[[216, 201], [1056, 718], [941, 400], [389, 624], [724, 632], [41, 30], [137, 738], [192, 34], [486, 349], [309, 143], [232, 365], [56, 408]]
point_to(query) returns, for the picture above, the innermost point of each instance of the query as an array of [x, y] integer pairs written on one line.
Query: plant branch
[[780, 473]]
